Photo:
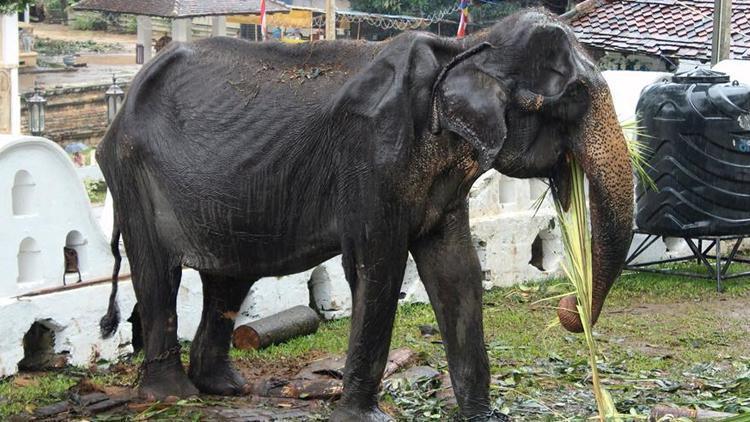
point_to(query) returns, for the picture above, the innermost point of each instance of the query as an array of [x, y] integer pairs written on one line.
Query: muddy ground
[[663, 340]]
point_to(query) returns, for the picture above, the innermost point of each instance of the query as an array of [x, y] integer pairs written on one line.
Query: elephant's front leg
[[449, 268], [375, 269]]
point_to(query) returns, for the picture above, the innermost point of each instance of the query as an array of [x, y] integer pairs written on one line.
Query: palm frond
[[638, 152], [574, 225]]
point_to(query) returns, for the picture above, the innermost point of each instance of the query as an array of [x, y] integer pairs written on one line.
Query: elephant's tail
[[109, 322]]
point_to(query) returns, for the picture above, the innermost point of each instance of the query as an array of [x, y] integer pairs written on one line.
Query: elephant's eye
[[744, 121]]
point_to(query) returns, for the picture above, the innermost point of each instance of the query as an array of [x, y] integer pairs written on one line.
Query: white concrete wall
[[10, 100], [43, 208], [739, 70]]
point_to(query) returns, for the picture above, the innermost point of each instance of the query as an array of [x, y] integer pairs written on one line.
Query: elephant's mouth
[[561, 181]]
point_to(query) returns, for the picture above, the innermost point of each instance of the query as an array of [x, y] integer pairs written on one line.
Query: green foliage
[[399, 7], [131, 25], [96, 190], [50, 47], [638, 152], [662, 339], [24, 393], [419, 401], [89, 22], [10, 6], [482, 14], [574, 225]]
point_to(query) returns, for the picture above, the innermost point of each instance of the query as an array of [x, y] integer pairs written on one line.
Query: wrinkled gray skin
[[250, 160]]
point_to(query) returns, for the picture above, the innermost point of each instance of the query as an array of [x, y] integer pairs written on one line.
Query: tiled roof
[[671, 28], [181, 8]]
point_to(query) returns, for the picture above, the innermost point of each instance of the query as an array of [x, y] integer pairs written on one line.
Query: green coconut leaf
[[574, 225], [638, 152]]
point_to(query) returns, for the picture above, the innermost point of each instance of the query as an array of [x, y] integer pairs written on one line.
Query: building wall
[[73, 114]]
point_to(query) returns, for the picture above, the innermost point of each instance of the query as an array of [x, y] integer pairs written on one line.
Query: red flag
[[464, 9], [263, 19]]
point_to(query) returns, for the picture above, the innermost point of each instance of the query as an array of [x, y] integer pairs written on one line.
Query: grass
[[89, 22], [96, 190], [50, 47], [662, 340], [27, 392]]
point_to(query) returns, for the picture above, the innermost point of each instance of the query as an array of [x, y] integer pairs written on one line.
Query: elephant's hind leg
[[156, 281], [210, 368]]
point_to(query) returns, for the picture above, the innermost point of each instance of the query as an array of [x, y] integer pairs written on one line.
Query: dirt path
[[66, 33]]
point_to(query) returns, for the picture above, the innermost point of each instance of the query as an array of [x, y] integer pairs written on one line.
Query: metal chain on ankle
[[159, 358], [163, 356], [492, 414]]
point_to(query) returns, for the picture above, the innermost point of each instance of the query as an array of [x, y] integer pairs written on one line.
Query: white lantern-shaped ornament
[[36, 105], [114, 97]]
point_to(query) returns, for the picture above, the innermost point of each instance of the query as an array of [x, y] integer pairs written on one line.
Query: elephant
[[246, 160]]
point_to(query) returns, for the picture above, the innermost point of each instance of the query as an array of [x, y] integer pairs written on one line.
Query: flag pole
[[463, 22], [263, 19]]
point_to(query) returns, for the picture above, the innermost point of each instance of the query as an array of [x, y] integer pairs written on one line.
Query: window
[[29, 261], [23, 193]]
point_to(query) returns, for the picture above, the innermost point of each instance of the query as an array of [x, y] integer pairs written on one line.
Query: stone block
[[271, 295], [331, 295], [412, 289], [330, 291], [515, 247]]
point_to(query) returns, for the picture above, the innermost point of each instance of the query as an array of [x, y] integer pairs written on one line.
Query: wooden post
[[330, 19], [721, 40], [359, 27]]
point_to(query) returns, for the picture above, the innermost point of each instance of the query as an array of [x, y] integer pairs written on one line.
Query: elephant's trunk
[[601, 149]]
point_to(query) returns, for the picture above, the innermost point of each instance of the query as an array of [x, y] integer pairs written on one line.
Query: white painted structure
[[10, 101], [43, 206], [739, 70], [218, 26], [182, 30], [144, 34]]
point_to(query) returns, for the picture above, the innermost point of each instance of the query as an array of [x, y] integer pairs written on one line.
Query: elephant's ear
[[390, 98], [471, 103], [551, 71]]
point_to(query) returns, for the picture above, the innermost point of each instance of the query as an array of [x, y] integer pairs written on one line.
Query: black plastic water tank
[[697, 130]]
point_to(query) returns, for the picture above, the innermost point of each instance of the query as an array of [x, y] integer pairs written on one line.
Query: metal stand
[[716, 270]]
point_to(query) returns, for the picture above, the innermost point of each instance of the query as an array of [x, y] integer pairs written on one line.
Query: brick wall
[[73, 114]]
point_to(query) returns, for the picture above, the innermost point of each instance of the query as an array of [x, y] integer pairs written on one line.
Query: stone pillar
[[330, 20], [219, 26], [10, 101], [144, 36], [182, 30], [27, 14]]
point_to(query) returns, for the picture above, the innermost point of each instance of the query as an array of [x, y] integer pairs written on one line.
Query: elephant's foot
[[163, 380], [344, 413], [221, 380]]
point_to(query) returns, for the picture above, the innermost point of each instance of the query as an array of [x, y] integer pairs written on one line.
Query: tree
[[482, 11], [403, 7], [11, 6]]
